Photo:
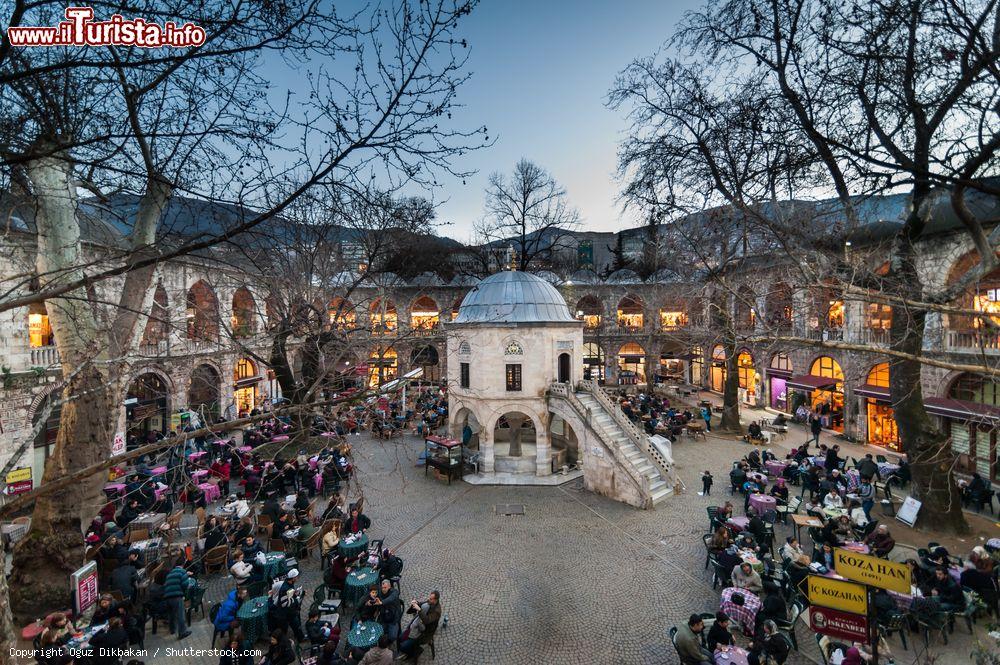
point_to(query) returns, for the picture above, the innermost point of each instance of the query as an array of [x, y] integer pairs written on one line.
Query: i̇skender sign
[[872, 570], [837, 594]]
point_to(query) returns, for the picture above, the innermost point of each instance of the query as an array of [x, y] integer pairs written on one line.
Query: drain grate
[[509, 509]]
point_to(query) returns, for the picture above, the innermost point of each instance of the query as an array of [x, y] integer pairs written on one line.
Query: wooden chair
[[173, 524], [310, 545], [136, 535], [201, 515], [215, 559], [276, 545], [264, 525]]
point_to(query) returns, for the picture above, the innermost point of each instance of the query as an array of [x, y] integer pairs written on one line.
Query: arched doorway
[[879, 415], [147, 407], [593, 362], [514, 443], [202, 313], [245, 384], [244, 320], [426, 357], [630, 313], [589, 311], [631, 364], [383, 316], [424, 314], [341, 314], [382, 366], [747, 377], [828, 401], [564, 443], [778, 373], [204, 392], [466, 418], [717, 374], [564, 368]]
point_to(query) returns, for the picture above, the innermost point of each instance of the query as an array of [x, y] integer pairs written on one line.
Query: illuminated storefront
[[747, 376], [631, 364], [593, 362], [424, 314], [778, 373], [879, 415], [630, 313], [824, 387], [245, 380], [717, 372], [39, 330], [382, 366]]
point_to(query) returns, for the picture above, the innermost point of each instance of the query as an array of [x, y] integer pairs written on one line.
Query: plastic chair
[[896, 624], [707, 539], [194, 598], [787, 628]]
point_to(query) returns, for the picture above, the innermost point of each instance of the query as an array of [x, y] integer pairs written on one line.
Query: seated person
[[754, 432], [824, 556], [237, 506], [390, 565], [251, 546], [720, 540], [745, 577], [746, 541], [320, 632], [773, 608], [780, 491], [106, 608], [128, 513], [946, 589], [768, 645], [688, 643], [880, 541], [858, 517], [356, 522], [758, 529], [718, 634], [833, 500], [837, 531], [240, 568]]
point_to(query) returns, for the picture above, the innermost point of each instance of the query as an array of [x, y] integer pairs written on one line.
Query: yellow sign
[[872, 570], [837, 594], [19, 475]]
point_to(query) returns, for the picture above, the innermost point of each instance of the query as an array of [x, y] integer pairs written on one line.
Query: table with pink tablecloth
[[746, 614], [196, 456], [762, 503], [819, 461], [114, 489], [318, 482], [158, 470], [198, 474], [245, 449], [774, 467], [854, 546], [738, 523], [212, 492], [279, 439], [733, 656]]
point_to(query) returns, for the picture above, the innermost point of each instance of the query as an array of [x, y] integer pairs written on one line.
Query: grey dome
[[513, 297], [624, 276], [584, 276]]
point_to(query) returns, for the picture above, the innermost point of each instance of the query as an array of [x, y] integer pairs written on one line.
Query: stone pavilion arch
[[466, 417], [517, 438]]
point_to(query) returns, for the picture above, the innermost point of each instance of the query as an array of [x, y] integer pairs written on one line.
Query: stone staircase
[[615, 432]]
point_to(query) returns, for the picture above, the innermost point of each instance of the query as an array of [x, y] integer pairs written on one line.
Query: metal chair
[[707, 539], [896, 624], [787, 628], [936, 622]]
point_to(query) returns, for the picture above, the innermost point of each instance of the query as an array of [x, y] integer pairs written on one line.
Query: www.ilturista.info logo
[[80, 29]]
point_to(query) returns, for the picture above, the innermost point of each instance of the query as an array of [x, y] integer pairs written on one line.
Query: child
[[706, 483]]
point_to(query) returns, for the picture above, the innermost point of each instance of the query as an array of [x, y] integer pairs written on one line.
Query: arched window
[[513, 348], [382, 366], [630, 313], [879, 376], [158, 323], [747, 373], [673, 316], [244, 321], [202, 313], [341, 313], [424, 314], [975, 388], [383, 316], [39, 330], [588, 310]]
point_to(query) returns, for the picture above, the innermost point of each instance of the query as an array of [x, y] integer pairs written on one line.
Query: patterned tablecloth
[[198, 474], [732, 656], [365, 634], [357, 583], [853, 480], [886, 469], [150, 521], [253, 619], [275, 566], [745, 615], [352, 549], [993, 544], [11, 533]]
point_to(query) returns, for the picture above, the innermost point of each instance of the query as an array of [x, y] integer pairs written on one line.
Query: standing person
[[288, 600], [174, 587], [815, 427], [389, 610], [866, 492], [706, 483], [706, 415]]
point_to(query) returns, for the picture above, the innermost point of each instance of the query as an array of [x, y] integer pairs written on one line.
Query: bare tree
[[896, 96], [528, 209]]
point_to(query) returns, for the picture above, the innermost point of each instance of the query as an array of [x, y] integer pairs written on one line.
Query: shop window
[[972, 388], [879, 316], [513, 378], [39, 330], [672, 320], [424, 314], [835, 314], [630, 313]]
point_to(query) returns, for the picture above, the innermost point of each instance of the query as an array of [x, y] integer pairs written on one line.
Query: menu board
[[84, 582]]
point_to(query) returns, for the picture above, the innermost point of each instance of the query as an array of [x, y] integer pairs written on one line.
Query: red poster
[[85, 585], [842, 625]]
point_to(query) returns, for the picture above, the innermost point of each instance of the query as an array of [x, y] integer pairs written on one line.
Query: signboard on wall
[[842, 625], [908, 511], [837, 594], [872, 570], [118, 445], [84, 583], [18, 481]]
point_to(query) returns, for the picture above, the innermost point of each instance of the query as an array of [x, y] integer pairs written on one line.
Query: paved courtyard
[[577, 578]]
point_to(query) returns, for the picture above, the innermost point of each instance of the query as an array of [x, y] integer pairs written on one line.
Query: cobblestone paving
[[577, 579]]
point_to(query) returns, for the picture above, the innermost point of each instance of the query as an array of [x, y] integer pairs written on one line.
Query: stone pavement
[[577, 579]]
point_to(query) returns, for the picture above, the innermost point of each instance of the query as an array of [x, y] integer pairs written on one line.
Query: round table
[[854, 546], [738, 523], [357, 583], [774, 467], [731, 656], [762, 503], [364, 635], [275, 565], [253, 619], [751, 558], [353, 549]]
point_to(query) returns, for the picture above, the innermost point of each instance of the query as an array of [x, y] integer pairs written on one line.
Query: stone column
[[543, 459], [487, 454]]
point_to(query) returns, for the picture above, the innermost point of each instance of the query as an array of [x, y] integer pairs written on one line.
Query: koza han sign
[[872, 570]]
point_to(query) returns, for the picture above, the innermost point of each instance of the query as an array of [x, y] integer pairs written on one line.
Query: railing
[[563, 390], [623, 328], [878, 336], [44, 356], [157, 350], [974, 340], [826, 334], [638, 436]]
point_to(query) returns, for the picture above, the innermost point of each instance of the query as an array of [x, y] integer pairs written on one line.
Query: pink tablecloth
[[212, 492], [774, 467], [278, 439], [245, 449], [738, 523], [759, 478], [852, 546], [199, 473], [328, 434], [158, 470], [116, 488], [762, 503], [194, 457], [161, 492], [318, 481], [735, 656]]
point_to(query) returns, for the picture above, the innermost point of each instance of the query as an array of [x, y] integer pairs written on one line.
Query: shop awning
[[955, 408], [631, 360], [774, 371], [809, 383], [868, 390]]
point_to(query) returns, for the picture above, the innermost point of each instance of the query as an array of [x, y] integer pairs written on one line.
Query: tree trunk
[[731, 393], [8, 631], [929, 451]]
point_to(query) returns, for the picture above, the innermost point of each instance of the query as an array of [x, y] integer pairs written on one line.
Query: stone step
[[660, 495], [657, 485]]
